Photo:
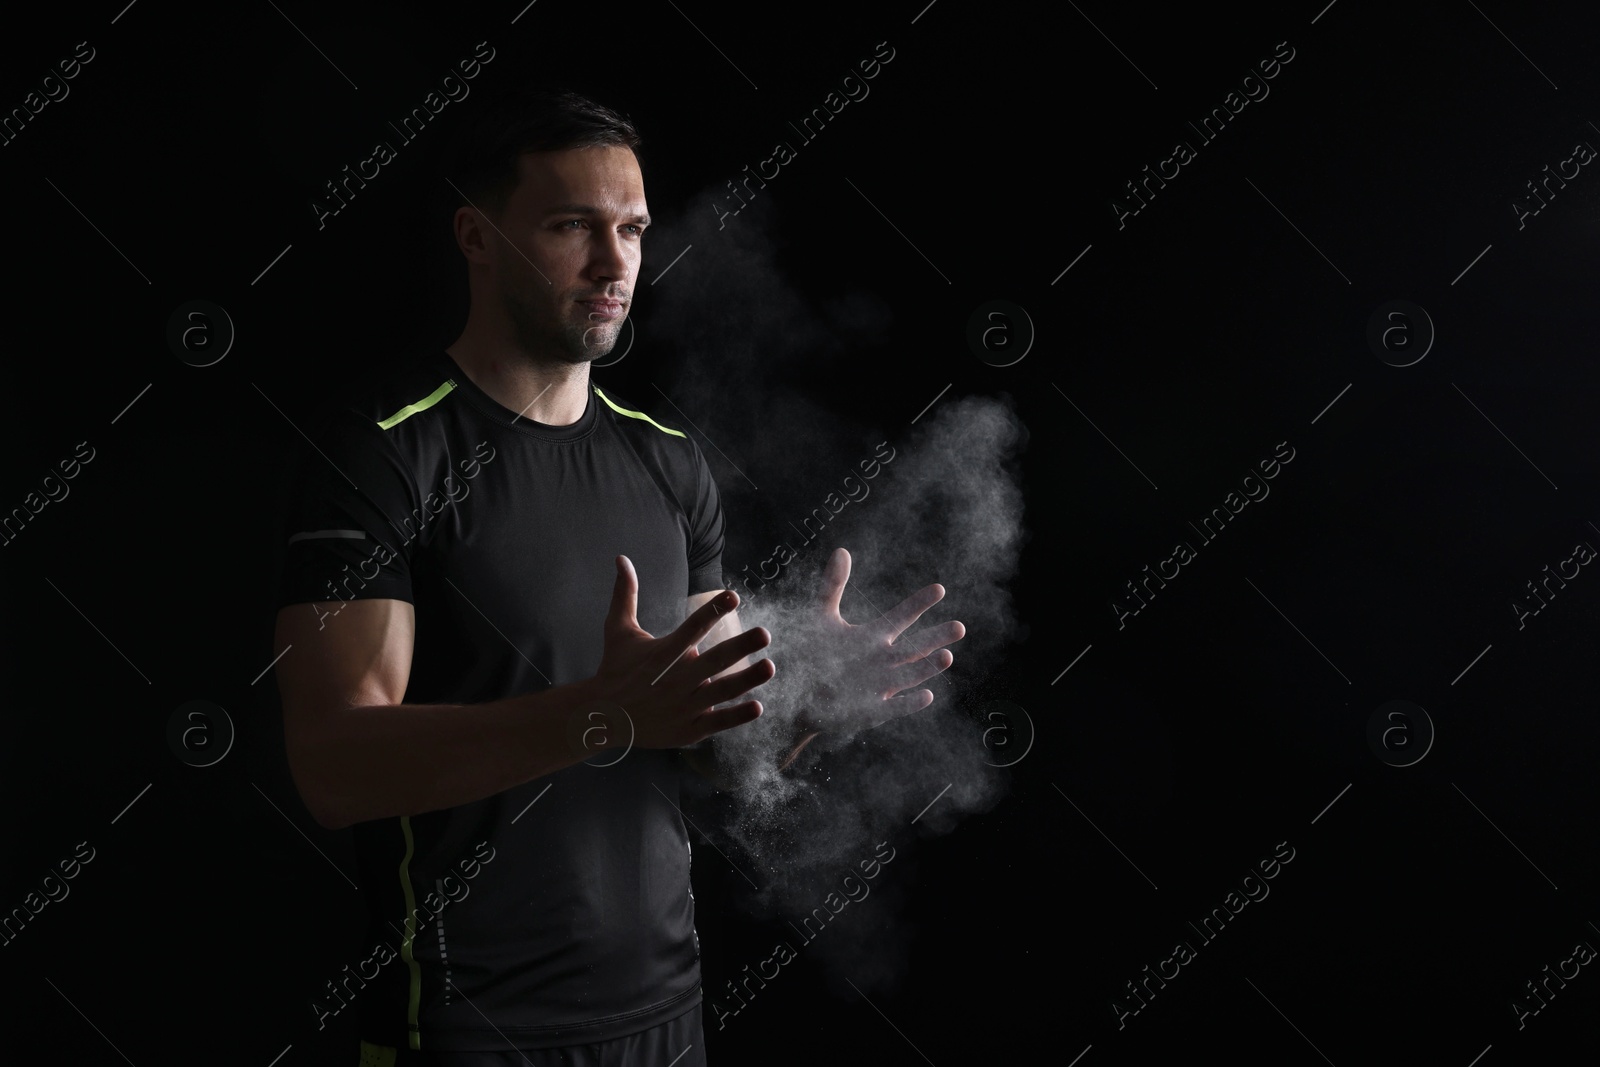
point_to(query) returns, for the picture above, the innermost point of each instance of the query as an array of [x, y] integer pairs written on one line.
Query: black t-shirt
[[557, 912]]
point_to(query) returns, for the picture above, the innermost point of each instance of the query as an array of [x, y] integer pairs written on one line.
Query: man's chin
[[581, 354], [596, 343]]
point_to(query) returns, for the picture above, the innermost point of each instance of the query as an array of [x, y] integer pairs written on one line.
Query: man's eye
[[573, 222]]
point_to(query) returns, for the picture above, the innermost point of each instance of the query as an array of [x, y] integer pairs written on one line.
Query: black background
[[1227, 316]]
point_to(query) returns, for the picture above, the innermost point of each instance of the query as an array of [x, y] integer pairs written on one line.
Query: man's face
[[566, 265]]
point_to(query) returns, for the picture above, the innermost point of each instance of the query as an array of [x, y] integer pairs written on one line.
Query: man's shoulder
[[658, 424], [401, 390], [659, 434]]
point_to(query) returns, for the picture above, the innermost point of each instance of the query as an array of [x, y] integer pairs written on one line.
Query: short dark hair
[[529, 119]]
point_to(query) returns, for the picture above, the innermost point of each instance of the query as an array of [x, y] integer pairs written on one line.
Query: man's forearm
[[380, 761]]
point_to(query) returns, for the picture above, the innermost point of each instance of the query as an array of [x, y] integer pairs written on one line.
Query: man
[[449, 658]]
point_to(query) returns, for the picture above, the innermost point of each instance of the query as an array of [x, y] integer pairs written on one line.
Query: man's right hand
[[663, 682]]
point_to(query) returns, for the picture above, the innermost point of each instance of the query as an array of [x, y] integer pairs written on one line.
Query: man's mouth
[[603, 308]]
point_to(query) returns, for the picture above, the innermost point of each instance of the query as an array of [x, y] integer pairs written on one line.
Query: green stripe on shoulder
[[422, 405], [636, 414]]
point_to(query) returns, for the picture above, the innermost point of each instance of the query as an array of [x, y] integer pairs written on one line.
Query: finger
[[700, 622], [904, 704], [725, 654], [902, 615], [921, 670], [721, 690], [624, 597], [834, 577], [719, 719], [727, 625], [923, 642]]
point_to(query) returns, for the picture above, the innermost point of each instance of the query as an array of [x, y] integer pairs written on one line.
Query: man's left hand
[[869, 668]]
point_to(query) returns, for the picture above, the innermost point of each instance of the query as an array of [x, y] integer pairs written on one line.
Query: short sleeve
[[706, 531], [342, 534]]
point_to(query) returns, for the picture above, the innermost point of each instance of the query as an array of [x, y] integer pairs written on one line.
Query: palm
[[868, 668]]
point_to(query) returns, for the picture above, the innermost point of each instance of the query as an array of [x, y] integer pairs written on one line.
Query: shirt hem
[[529, 1038]]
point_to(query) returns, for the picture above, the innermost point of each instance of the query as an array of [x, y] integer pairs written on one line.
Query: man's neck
[[553, 392]]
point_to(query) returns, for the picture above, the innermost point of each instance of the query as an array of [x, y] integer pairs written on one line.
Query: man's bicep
[[339, 655]]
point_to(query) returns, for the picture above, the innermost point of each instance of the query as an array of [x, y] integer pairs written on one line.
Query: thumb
[[835, 575], [624, 597]]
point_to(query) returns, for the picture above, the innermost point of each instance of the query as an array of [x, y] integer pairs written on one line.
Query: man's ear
[[474, 233]]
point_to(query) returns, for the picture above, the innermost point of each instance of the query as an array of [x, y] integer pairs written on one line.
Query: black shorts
[[677, 1042]]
